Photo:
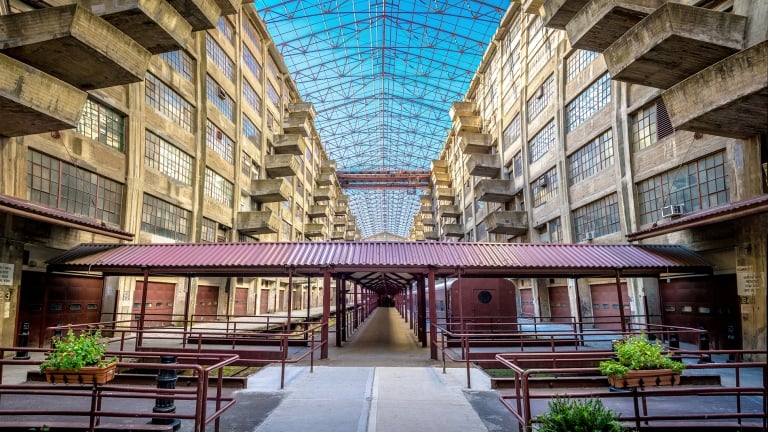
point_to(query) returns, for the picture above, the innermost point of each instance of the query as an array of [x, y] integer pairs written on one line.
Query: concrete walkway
[[381, 381]]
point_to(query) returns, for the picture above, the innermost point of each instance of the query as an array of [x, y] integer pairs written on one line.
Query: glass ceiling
[[382, 77]]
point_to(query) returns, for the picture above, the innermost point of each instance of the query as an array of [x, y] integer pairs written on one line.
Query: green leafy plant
[[573, 415], [636, 352], [73, 352]]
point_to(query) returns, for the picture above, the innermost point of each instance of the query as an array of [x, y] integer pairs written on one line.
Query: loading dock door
[[605, 306], [263, 301], [207, 302], [560, 304], [159, 310], [241, 301], [47, 300], [528, 308]]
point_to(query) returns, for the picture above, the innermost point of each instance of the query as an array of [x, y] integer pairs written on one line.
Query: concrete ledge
[[729, 98], [558, 13], [33, 102], [601, 22], [74, 45], [673, 43], [229, 7], [155, 25]]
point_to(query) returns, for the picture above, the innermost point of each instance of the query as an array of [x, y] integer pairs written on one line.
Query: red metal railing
[[61, 398], [747, 409]]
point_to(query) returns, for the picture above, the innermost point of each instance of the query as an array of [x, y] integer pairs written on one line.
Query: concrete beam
[[74, 45], [673, 43], [729, 98], [33, 102]]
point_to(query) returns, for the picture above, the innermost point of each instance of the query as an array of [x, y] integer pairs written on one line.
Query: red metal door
[[206, 302], [263, 301], [560, 304], [47, 300], [527, 307], [605, 306], [159, 310], [241, 301], [710, 302], [280, 306]]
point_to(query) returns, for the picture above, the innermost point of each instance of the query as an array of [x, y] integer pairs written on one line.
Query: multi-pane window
[[578, 61], [597, 218], [272, 94], [517, 165], [251, 33], [208, 231], [250, 96], [271, 121], [648, 125], [468, 212], [482, 232], [219, 142], [226, 28], [181, 62], [540, 98], [541, 142], [219, 97], [217, 55], [545, 187], [250, 61], [218, 188], [285, 231], [250, 131], [103, 124], [245, 165], [591, 159], [165, 219], [697, 185], [167, 158], [168, 103], [588, 102], [555, 231], [511, 133], [61, 185]]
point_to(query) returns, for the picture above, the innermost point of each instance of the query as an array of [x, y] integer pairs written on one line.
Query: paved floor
[[380, 381]]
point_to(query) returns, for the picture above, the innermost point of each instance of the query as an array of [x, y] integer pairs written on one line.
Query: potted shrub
[[79, 359], [639, 362], [572, 415]]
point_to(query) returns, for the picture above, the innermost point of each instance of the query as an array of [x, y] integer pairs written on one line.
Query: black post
[[704, 346], [166, 379], [23, 339]]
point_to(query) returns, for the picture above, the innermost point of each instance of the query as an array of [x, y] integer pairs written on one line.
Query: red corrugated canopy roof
[[479, 259]]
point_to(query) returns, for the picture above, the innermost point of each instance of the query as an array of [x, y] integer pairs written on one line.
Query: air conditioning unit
[[221, 93], [672, 210], [589, 235], [543, 182]]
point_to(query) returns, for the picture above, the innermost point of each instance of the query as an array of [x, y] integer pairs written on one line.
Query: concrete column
[[541, 297]]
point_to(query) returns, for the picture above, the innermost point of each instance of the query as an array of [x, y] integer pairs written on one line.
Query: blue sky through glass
[[382, 77]]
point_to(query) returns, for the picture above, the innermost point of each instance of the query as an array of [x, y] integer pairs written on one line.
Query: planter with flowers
[[639, 362], [79, 359]]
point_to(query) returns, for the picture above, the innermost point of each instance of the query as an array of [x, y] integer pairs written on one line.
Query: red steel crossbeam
[[383, 180]]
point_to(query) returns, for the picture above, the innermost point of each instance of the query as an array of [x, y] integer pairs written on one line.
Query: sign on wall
[[6, 274]]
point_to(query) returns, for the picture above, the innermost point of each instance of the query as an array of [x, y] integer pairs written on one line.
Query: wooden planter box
[[85, 375], [645, 378]]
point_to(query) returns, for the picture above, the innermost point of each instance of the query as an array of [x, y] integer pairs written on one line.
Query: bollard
[[704, 346], [674, 340], [23, 340], [166, 379]]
